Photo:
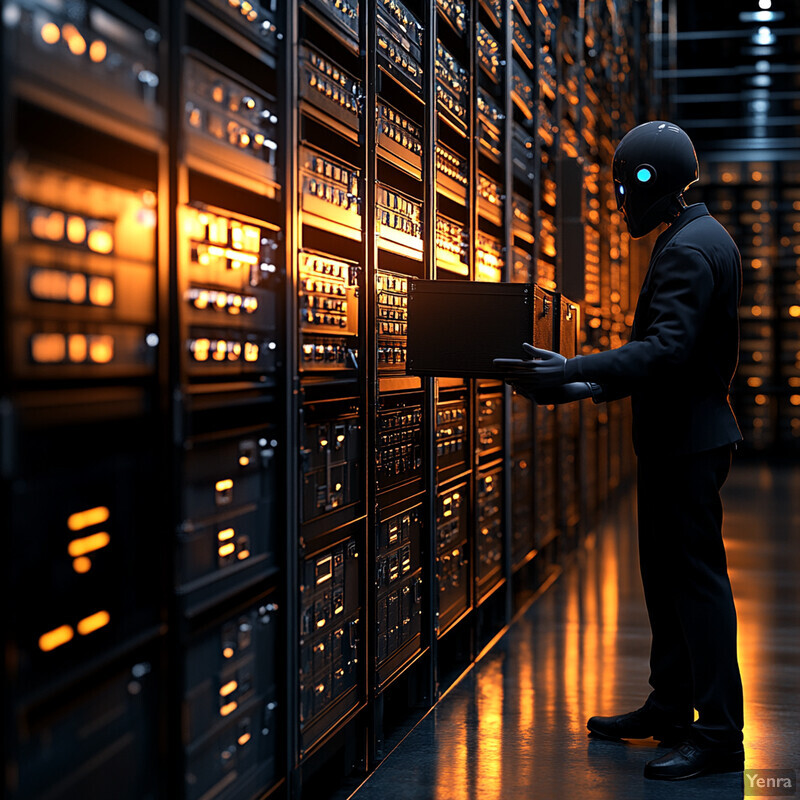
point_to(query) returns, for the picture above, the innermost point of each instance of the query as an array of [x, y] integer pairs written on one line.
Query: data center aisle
[[514, 727]]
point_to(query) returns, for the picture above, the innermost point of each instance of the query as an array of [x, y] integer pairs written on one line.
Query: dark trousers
[[684, 570]]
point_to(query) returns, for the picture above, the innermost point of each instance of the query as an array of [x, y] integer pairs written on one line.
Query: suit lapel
[[691, 213]]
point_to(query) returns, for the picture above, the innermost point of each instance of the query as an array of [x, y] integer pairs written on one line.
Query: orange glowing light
[[82, 565], [761, 399], [757, 175], [50, 227], [74, 40], [756, 204], [223, 536], [88, 544], [93, 622], [49, 284], [795, 399], [756, 311], [754, 382], [101, 349], [243, 739], [757, 356], [756, 263], [228, 708], [77, 348], [201, 301], [85, 519], [48, 348], [224, 485], [226, 549], [243, 461], [794, 381], [97, 51], [50, 33], [101, 291], [55, 638], [76, 288], [227, 688], [100, 241], [794, 311], [227, 652], [727, 177], [76, 229], [243, 554], [250, 351]]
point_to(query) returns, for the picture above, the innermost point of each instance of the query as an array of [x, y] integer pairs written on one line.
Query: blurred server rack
[[80, 366]]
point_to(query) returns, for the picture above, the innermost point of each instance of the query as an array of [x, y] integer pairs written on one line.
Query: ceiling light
[[765, 3]]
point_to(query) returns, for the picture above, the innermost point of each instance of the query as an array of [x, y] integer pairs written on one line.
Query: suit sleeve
[[682, 289], [608, 392]]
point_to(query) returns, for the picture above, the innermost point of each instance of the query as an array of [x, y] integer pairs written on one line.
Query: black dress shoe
[[640, 724], [688, 760]]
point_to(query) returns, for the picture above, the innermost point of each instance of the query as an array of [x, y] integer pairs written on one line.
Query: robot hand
[[543, 369], [566, 393]]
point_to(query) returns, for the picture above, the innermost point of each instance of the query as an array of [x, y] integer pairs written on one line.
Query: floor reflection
[[514, 727]]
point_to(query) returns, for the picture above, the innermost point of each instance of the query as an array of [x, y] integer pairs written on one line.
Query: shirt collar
[[686, 216]]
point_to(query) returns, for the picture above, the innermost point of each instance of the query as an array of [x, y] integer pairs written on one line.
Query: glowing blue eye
[[621, 189], [643, 175]]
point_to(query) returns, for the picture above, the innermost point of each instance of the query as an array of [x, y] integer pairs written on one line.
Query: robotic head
[[653, 165]]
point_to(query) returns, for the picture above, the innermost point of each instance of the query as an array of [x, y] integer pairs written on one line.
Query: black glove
[[566, 393], [543, 369]]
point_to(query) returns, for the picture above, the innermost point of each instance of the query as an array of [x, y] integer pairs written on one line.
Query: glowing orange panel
[[48, 348], [101, 291], [55, 638], [77, 348], [228, 708], [82, 565], [76, 229], [101, 349], [76, 288], [50, 32], [93, 622], [88, 544], [87, 518], [74, 40], [100, 241], [98, 51]]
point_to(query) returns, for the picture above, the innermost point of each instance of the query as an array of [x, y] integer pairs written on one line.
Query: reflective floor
[[514, 727]]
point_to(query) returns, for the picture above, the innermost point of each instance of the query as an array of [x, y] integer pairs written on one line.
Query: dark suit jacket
[[684, 344]]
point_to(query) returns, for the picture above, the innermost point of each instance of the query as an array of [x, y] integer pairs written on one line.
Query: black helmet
[[653, 165]]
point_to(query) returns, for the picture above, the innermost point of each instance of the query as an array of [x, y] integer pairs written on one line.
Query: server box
[[458, 328], [229, 705], [330, 638], [398, 588], [95, 740]]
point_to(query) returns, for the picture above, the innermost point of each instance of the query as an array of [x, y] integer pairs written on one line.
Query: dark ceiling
[[730, 73]]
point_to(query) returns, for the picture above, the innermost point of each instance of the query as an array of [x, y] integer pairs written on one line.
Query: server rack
[[758, 205], [264, 537]]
